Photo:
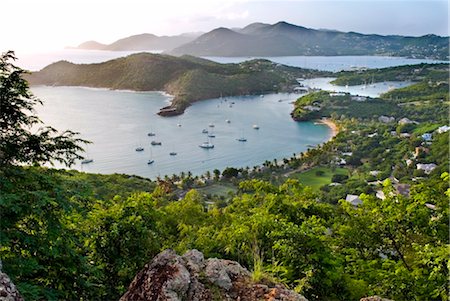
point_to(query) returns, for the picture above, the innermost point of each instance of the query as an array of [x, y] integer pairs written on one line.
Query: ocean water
[[37, 61], [370, 90], [332, 63], [117, 122]]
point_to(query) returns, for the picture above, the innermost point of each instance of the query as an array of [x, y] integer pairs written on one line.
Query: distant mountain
[[284, 39], [144, 41], [188, 78]]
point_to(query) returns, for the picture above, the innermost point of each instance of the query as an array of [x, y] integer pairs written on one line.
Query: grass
[[219, 189], [310, 177]]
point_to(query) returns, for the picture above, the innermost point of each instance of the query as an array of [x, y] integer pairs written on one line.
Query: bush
[[339, 178]]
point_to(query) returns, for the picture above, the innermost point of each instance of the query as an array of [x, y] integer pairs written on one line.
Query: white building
[[386, 119], [427, 168], [353, 199], [427, 137], [443, 129]]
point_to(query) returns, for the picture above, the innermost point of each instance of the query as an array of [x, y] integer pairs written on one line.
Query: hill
[[189, 79], [284, 39], [144, 41]]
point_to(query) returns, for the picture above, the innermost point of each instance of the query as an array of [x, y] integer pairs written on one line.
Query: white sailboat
[[207, 145]]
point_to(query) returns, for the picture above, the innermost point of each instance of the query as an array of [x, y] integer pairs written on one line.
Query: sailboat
[[242, 138], [150, 161], [206, 145], [211, 135]]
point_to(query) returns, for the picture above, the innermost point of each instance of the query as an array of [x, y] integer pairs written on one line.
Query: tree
[[21, 140]]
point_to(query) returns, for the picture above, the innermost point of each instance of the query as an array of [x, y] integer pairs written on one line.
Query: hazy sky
[[31, 25]]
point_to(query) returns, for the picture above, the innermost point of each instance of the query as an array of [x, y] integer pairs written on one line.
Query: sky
[[39, 25]]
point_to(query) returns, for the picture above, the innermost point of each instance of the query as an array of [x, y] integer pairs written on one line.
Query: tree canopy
[[23, 137]]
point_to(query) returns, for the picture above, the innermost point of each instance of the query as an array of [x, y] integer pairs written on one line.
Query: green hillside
[[189, 79]]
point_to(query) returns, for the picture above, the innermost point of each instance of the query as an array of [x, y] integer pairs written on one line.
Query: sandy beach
[[328, 122]]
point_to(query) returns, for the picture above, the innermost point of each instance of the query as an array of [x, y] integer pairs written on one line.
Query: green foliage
[[435, 72], [19, 144], [189, 79]]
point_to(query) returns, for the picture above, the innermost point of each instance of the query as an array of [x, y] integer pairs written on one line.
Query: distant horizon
[[53, 25], [234, 28]]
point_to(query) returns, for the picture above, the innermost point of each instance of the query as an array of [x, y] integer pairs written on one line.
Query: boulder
[[190, 277], [8, 291]]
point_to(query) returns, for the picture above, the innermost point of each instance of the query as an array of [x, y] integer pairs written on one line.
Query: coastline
[[333, 126]]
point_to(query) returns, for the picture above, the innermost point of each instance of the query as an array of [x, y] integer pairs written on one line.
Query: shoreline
[[329, 123]]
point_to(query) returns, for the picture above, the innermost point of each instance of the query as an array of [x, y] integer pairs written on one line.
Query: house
[[359, 98], [353, 199], [405, 135], [443, 129], [427, 137], [427, 168], [335, 94], [419, 150], [347, 154], [407, 121], [374, 172], [430, 206], [408, 162], [403, 189], [301, 90], [380, 194], [311, 108], [342, 162], [386, 119], [372, 135]]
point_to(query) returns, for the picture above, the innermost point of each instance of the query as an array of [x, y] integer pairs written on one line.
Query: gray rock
[[195, 260], [8, 291], [165, 278], [374, 298], [192, 278], [216, 273]]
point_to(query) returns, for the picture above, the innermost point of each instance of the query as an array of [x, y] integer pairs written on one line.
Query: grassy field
[[219, 189], [310, 177]]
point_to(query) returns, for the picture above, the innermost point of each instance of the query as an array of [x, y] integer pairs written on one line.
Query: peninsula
[[187, 78]]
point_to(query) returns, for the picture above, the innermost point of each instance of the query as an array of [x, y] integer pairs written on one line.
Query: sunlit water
[[370, 90], [37, 61], [118, 121], [332, 63]]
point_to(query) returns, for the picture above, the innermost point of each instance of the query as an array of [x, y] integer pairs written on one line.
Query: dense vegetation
[[67, 235], [189, 79], [415, 73], [427, 100], [284, 39]]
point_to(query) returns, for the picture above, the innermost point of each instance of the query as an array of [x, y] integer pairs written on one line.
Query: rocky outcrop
[[171, 277], [8, 291], [374, 298]]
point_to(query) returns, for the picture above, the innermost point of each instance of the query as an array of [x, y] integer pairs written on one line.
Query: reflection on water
[[117, 122], [370, 90]]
